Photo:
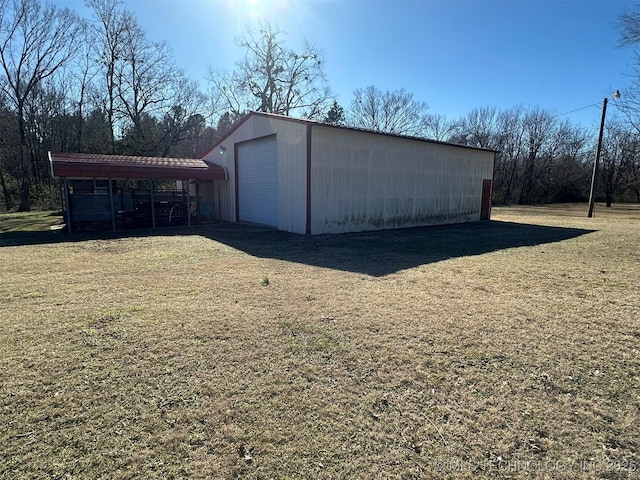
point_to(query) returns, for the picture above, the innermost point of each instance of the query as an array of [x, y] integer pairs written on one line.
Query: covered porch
[[116, 192]]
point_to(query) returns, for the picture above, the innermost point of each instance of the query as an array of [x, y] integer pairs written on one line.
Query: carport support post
[[153, 207], [113, 210], [67, 204], [188, 202]]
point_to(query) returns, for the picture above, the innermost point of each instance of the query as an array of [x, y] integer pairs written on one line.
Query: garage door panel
[[258, 181]]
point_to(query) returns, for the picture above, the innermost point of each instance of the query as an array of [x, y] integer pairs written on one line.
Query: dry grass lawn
[[503, 349]]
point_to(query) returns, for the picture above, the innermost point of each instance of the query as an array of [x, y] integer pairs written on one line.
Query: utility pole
[[592, 200]]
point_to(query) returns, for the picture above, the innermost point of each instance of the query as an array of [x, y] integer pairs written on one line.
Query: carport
[[102, 192]]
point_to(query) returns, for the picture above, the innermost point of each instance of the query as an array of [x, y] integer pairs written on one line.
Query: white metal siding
[[258, 181], [363, 181], [359, 181], [292, 169]]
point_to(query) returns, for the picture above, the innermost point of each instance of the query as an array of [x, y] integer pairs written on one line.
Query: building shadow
[[376, 253], [380, 253]]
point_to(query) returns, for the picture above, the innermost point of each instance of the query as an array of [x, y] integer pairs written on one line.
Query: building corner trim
[[308, 222]]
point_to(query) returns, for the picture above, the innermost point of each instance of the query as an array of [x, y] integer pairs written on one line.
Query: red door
[[485, 208]]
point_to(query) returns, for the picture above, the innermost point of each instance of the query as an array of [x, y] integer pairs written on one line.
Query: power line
[[576, 110], [615, 96]]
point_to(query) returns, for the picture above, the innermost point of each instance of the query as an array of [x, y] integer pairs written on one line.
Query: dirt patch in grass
[[495, 350]]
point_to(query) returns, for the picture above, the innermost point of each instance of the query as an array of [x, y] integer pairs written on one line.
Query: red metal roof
[[90, 165]]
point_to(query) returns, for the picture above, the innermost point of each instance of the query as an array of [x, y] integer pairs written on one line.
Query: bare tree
[[9, 144], [147, 79], [509, 143], [439, 127], [110, 30], [538, 129], [394, 112], [618, 161], [138, 78], [478, 128], [35, 42], [224, 95], [272, 78], [539, 159], [571, 166], [629, 103], [83, 74], [186, 117], [629, 25]]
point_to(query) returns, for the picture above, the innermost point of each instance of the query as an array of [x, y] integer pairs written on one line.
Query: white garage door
[[258, 181]]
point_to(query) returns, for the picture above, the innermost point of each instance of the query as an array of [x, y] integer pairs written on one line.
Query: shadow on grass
[[30, 227], [383, 252], [375, 253]]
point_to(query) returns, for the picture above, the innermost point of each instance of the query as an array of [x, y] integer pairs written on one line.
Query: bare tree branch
[[272, 78], [394, 112], [35, 42]]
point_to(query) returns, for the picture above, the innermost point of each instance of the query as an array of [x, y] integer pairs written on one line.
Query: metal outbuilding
[[289, 174], [307, 177]]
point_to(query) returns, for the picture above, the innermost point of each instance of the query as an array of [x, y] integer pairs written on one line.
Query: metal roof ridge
[[343, 127]]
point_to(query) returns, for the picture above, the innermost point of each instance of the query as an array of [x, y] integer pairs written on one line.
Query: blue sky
[[453, 54]]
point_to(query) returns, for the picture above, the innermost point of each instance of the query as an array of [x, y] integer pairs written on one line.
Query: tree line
[[100, 85]]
